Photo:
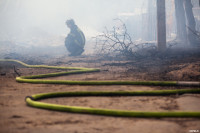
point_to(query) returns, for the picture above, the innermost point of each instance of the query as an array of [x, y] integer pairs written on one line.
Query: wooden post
[[161, 25]]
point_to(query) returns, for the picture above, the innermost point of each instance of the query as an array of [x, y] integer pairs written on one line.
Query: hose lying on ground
[[32, 100]]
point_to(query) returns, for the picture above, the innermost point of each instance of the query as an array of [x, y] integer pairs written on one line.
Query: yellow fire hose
[[33, 100]]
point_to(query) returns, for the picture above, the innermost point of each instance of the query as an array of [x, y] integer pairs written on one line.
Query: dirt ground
[[17, 117]]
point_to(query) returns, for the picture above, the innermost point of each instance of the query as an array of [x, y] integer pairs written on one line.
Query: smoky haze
[[42, 22], [34, 23]]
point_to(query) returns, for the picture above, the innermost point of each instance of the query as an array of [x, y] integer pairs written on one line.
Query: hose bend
[[33, 100]]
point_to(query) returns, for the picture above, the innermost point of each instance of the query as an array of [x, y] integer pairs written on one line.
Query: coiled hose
[[33, 100]]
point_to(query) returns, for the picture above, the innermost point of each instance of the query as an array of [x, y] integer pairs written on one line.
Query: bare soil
[[17, 117]]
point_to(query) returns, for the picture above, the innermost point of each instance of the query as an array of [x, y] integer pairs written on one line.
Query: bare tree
[[115, 41], [118, 42]]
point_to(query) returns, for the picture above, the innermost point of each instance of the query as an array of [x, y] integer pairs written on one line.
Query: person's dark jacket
[[75, 41]]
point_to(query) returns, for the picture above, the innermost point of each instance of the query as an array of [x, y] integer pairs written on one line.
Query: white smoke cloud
[[24, 20]]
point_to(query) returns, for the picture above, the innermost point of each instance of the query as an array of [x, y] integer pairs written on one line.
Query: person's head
[[70, 23]]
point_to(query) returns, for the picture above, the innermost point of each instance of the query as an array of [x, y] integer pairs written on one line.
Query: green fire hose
[[33, 100]]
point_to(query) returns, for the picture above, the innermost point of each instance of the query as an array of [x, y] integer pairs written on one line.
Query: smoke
[[36, 21]]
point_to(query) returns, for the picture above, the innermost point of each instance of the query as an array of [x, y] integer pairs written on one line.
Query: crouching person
[[75, 41]]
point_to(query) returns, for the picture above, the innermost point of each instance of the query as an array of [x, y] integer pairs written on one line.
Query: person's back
[[75, 41]]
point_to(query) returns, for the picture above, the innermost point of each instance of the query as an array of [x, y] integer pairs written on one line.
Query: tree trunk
[[190, 21], [161, 25], [180, 21]]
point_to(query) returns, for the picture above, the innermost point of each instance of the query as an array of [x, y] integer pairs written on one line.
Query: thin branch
[[194, 32]]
